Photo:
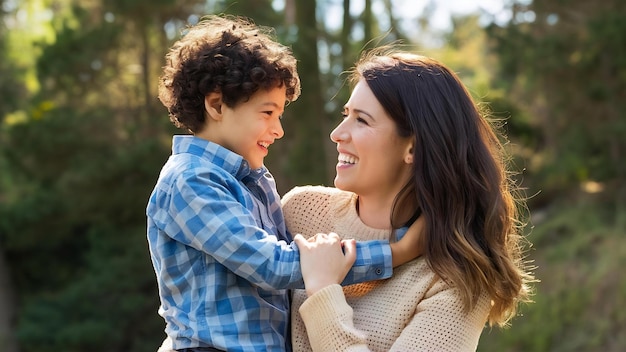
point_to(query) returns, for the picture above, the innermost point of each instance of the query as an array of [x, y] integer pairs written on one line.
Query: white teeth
[[347, 159], [264, 144]]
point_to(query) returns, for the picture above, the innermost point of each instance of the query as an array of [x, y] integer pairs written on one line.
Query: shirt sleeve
[[373, 262]]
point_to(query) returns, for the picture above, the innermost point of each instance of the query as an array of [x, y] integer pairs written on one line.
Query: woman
[[412, 144]]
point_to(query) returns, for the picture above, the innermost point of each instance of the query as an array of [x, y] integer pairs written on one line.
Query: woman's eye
[[361, 120]]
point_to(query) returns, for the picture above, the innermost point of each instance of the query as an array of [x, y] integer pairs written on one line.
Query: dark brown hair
[[224, 54], [460, 181]]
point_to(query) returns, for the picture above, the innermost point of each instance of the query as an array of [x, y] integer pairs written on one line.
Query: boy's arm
[[209, 215], [210, 218], [408, 247], [375, 260]]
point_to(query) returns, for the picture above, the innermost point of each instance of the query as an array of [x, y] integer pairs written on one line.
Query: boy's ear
[[213, 105]]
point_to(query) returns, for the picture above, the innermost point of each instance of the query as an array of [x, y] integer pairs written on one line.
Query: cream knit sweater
[[412, 311]]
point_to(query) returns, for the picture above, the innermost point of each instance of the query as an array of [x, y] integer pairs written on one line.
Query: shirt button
[[379, 271]]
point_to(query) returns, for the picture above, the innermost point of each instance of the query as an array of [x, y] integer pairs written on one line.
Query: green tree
[[305, 161], [80, 165], [565, 63], [12, 93], [562, 67]]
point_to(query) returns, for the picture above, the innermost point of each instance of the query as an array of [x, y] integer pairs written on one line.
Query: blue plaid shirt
[[222, 255]]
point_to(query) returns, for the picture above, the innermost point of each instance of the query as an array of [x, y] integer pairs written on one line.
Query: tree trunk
[[368, 25], [305, 162], [8, 342]]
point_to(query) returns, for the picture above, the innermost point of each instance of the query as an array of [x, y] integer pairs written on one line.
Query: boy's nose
[[277, 130]]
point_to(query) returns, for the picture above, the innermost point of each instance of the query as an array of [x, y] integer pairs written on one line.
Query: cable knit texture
[[412, 311]]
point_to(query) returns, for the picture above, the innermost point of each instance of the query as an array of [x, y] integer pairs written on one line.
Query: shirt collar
[[232, 162]]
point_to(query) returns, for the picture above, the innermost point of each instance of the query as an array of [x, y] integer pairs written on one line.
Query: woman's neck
[[375, 213]]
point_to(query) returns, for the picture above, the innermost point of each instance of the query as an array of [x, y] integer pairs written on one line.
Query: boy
[[222, 255]]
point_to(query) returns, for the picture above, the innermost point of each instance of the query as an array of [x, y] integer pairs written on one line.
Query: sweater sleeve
[[329, 322], [439, 323]]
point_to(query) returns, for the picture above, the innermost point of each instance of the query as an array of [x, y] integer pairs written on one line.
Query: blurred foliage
[[82, 137], [568, 66], [579, 254], [76, 247], [11, 88]]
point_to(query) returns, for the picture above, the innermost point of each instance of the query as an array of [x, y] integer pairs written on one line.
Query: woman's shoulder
[[315, 194], [311, 209]]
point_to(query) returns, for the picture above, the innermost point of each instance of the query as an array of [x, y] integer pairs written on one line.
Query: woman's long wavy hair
[[473, 238]]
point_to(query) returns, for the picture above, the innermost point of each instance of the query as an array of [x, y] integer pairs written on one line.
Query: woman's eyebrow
[[359, 111]]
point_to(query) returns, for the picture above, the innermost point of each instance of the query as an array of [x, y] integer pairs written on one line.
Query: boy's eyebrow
[[273, 104], [270, 103]]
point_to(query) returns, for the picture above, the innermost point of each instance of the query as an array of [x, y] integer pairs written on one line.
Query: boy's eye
[[270, 114]]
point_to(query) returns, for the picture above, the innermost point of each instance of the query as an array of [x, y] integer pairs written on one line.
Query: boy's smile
[[250, 127]]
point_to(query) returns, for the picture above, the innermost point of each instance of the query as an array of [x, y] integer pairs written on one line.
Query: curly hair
[[224, 54], [460, 180]]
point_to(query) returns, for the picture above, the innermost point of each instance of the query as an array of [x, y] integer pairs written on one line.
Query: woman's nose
[[339, 134]]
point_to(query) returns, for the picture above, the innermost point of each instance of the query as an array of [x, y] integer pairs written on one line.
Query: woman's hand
[[408, 248], [324, 260]]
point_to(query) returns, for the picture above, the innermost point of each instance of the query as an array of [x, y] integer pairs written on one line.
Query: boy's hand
[[408, 248], [324, 260]]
